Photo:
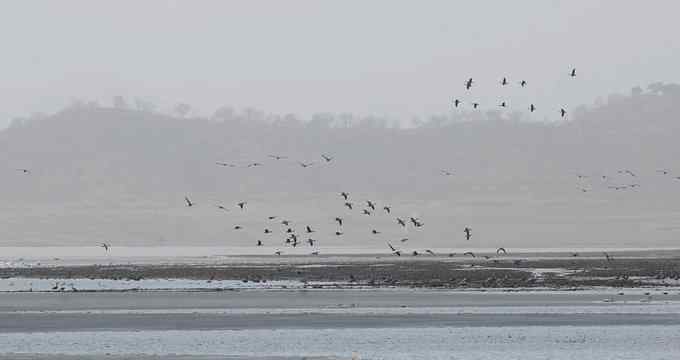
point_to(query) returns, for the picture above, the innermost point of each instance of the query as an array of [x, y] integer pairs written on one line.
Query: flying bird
[[366, 212], [259, 242], [349, 205], [475, 105], [267, 231], [387, 209], [309, 230], [238, 227], [225, 164], [468, 84], [394, 251], [456, 102], [370, 204], [468, 233], [242, 204], [344, 195], [221, 207], [305, 165], [504, 82], [401, 222], [563, 112], [339, 221], [404, 240], [326, 157], [523, 83], [255, 164], [430, 252], [278, 157], [105, 246], [573, 72], [503, 104], [446, 172], [532, 108], [271, 217], [189, 203], [25, 171], [375, 232]]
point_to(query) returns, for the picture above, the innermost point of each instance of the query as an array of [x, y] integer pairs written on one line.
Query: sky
[[393, 58]]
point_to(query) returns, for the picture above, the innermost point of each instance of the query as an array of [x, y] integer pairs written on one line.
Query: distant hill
[[121, 175]]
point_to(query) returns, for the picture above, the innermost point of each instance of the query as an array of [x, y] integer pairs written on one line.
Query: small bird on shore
[[338, 233], [305, 165], [267, 231], [503, 104], [499, 250], [504, 82], [278, 252], [375, 232], [238, 227], [523, 83], [311, 241], [563, 112]]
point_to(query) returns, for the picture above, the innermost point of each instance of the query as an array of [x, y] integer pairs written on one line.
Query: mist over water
[[119, 174]]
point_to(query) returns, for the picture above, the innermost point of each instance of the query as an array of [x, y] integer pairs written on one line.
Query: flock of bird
[[504, 104]]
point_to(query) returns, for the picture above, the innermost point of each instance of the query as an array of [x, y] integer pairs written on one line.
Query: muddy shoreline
[[383, 272]]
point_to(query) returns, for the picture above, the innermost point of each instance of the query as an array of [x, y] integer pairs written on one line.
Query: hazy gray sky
[[398, 58]]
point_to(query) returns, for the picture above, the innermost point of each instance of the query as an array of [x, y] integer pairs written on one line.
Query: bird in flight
[[504, 82], [665, 172], [345, 195], [468, 84], [394, 251], [370, 204], [271, 217], [259, 242], [242, 205], [305, 165], [238, 227], [225, 164], [468, 233], [326, 157], [387, 209], [523, 83], [105, 246], [503, 104], [278, 157], [375, 232], [221, 207], [532, 108], [627, 172], [366, 212], [189, 203], [456, 102], [285, 222], [309, 230], [338, 233], [446, 172], [255, 164], [349, 205], [311, 241], [267, 231], [339, 220], [404, 240], [401, 222], [563, 112], [499, 250], [475, 105], [573, 72], [25, 171]]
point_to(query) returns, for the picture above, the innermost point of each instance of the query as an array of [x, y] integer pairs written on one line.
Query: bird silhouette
[[238, 227], [25, 171], [221, 207], [326, 157], [285, 222], [456, 102], [349, 205], [401, 222], [375, 232], [563, 112], [387, 209], [504, 82], [309, 230], [532, 108], [370, 204], [573, 72], [105, 246], [415, 253], [366, 212], [430, 252], [271, 217], [339, 221], [523, 83], [394, 251], [278, 157], [267, 231], [404, 240], [278, 252], [503, 104], [255, 164], [499, 250], [242, 205], [468, 233], [345, 195], [338, 233], [189, 203], [259, 242], [468, 84], [475, 105], [311, 241], [225, 164]]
